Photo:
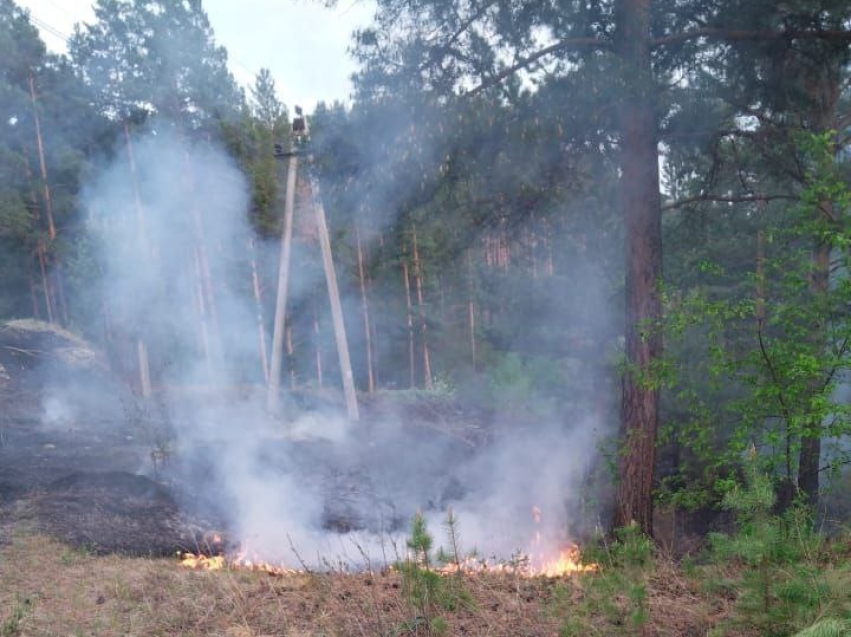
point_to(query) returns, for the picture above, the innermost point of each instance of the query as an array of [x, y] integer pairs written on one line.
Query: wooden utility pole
[[300, 135], [336, 305], [273, 396]]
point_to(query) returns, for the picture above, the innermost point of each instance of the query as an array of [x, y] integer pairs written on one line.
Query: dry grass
[[47, 589]]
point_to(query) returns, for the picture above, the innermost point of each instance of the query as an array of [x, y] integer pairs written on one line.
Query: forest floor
[[49, 589], [91, 532]]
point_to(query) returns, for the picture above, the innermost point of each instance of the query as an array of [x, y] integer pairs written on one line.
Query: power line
[[44, 26]]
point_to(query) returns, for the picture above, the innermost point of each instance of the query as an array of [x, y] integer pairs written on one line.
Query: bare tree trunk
[[42, 162], [365, 311], [140, 211], [201, 309], [59, 287], [418, 281], [291, 355], [214, 352], [34, 295], [550, 269], [336, 306], [258, 304], [58, 310], [641, 204], [273, 398], [410, 322], [471, 309], [317, 345], [141, 347], [533, 248], [45, 282]]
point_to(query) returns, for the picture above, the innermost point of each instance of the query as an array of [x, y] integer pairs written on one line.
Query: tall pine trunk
[[141, 226], [365, 311], [418, 281], [641, 206], [471, 309], [42, 162], [409, 306], [258, 304], [317, 345]]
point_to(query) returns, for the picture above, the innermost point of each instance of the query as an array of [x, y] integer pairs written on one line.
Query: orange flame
[[567, 563], [538, 562], [201, 562]]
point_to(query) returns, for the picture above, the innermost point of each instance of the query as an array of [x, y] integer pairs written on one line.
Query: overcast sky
[[300, 41]]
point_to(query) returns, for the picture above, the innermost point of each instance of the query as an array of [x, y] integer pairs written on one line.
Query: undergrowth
[[617, 594], [783, 573], [427, 589]]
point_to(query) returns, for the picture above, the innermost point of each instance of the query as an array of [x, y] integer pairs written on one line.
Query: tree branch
[[722, 199], [570, 44], [738, 35]]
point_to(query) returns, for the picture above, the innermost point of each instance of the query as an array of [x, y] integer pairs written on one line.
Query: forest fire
[[538, 561], [567, 563], [201, 562]]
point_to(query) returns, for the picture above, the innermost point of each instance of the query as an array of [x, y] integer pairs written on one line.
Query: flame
[[568, 562], [241, 561], [538, 561], [202, 562]]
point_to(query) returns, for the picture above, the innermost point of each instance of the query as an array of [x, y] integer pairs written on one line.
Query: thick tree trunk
[[641, 204]]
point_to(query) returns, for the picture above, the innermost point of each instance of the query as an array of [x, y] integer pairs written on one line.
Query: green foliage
[[782, 581], [619, 591], [11, 626], [826, 628], [756, 356], [426, 588], [141, 59]]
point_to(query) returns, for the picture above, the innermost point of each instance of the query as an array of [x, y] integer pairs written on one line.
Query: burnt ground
[[84, 483], [74, 462], [85, 461]]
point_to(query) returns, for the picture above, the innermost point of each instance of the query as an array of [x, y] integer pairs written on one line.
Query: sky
[[301, 42]]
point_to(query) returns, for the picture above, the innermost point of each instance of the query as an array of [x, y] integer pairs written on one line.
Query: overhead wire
[[47, 28]]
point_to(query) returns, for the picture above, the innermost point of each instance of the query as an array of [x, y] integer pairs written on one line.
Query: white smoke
[[180, 216]]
